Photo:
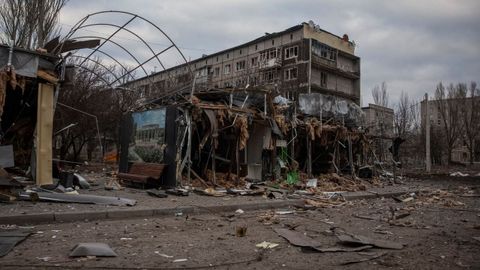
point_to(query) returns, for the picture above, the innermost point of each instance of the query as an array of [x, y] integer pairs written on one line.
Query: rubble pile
[[439, 197]]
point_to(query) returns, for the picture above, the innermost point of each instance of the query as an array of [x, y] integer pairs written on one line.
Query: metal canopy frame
[[84, 23]]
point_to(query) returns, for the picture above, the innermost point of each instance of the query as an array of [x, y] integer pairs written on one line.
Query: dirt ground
[[437, 232]]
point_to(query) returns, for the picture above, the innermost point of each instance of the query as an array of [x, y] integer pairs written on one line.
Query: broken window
[[160, 84], [291, 52], [227, 69], [253, 80], [324, 51], [240, 65], [254, 61], [323, 79], [291, 74], [270, 54], [269, 76]]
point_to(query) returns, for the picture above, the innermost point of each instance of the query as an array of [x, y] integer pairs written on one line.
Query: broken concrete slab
[[369, 256], [297, 238]]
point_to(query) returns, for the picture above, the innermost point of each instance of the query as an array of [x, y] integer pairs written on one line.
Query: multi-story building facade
[[379, 120], [301, 59], [379, 123], [460, 152]]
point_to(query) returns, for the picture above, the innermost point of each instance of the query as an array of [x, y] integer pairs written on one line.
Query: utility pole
[[428, 161]]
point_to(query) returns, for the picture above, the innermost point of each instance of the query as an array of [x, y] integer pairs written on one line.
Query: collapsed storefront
[[28, 86], [226, 137]]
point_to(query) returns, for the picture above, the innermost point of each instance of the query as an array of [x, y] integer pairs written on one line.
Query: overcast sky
[[411, 45]]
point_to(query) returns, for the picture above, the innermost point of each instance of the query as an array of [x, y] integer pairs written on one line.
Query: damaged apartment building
[[282, 106]]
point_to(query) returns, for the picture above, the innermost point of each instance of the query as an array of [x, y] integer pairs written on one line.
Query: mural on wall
[[148, 136]]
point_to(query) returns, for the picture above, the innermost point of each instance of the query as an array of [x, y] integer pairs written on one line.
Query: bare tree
[[448, 102], [29, 23], [90, 92], [404, 119], [380, 95], [470, 115]]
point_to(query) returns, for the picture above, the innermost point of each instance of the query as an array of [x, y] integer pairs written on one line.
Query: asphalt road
[[436, 228]]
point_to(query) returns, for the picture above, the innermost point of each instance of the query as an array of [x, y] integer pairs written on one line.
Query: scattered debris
[[92, 249], [113, 184], [239, 211], [163, 255], [210, 192], [405, 198], [180, 260], [284, 212], [177, 191], [241, 231], [364, 217], [266, 245], [312, 183], [323, 202], [82, 182], [156, 193], [459, 174], [125, 238]]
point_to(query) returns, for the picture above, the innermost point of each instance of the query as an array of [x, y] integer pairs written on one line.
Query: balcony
[[270, 63]]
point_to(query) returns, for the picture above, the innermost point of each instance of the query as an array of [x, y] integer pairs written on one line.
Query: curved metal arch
[[148, 60], [129, 31], [115, 60], [123, 48], [81, 21], [112, 35], [96, 62]]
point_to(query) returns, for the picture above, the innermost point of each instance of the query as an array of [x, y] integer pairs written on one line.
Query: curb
[[51, 217], [361, 195], [43, 218]]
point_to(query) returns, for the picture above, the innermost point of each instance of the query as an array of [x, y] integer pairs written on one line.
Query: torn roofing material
[[10, 238]]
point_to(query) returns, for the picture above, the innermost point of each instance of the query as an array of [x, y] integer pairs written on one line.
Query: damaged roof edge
[[43, 55]]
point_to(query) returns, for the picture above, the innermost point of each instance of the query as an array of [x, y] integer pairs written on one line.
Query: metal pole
[[428, 161], [309, 156], [310, 67]]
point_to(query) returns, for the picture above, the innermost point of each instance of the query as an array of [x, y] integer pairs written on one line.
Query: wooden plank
[[43, 140], [47, 76]]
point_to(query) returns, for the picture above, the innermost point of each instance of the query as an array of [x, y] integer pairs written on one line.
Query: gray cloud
[[411, 44]]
